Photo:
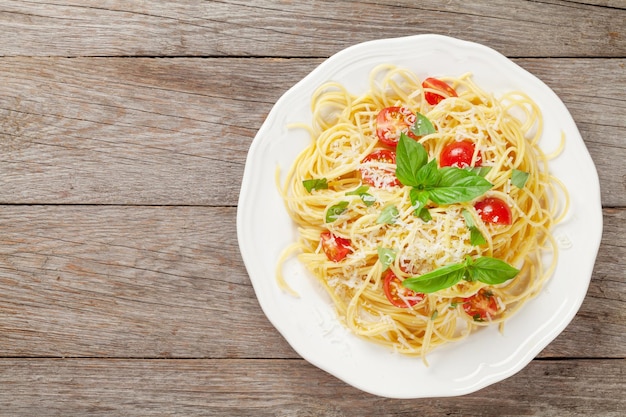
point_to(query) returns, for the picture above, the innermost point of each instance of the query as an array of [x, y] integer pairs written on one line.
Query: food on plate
[[423, 207]]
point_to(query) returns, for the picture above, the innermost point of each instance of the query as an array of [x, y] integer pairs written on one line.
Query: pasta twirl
[[362, 231]]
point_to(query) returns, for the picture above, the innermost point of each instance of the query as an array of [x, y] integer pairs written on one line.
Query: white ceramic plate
[[308, 323]]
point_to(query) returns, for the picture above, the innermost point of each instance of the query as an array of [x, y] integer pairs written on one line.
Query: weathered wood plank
[[109, 281], [116, 130], [176, 131], [617, 4], [284, 388], [133, 281], [303, 29]]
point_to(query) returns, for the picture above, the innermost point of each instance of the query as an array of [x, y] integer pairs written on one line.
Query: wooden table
[[124, 128]]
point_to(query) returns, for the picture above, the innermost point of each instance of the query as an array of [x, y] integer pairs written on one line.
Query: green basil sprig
[[367, 198], [422, 125], [419, 200], [333, 212], [388, 215], [315, 184], [485, 269], [386, 256], [519, 178], [476, 237], [482, 171], [447, 185]]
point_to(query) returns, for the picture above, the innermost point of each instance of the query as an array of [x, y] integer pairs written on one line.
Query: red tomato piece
[[397, 294], [391, 122], [494, 210], [376, 175], [336, 248], [459, 154], [435, 84], [481, 306]]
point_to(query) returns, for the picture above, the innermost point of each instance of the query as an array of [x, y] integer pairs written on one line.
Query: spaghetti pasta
[[363, 232]]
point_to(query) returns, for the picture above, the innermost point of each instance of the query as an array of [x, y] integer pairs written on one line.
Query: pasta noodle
[[375, 228]]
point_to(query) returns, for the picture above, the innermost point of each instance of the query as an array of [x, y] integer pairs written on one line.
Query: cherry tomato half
[[459, 154], [391, 122], [336, 248], [398, 295], [376, 175], [493, 210], [434, 84], [481, 306]]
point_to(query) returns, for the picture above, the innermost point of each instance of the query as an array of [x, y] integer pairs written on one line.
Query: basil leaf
[[437, 279], [335, 211], [485, 269], [419, 198], [428, 174], [425, 215], [358, 191], [452, 175], [422, 125], [315, 184], [476, 237], [388, 215], [386, 257], [480, 171], [410, 157], [458, 185], [418, 201], [519, 178], [491, 271], [367, 198], [469, 220]]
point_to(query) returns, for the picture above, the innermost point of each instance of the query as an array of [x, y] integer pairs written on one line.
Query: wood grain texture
[[303, 29], [163, 282], [285, 388], [124, 128], [177, 131], [130, 282]]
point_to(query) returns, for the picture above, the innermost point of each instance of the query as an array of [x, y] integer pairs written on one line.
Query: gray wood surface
[[124, 128], [261, 387], [304, 29]]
